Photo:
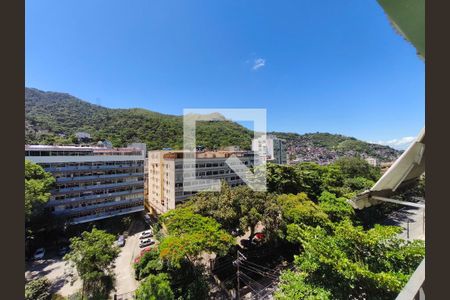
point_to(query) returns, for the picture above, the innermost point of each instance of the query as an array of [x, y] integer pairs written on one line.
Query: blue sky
[[327, 66]]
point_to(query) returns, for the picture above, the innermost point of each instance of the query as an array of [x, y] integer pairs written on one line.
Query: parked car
[[121, 241], [146, 234], [146, 242], [259, 236], [147, 219], [39, 254], [63, 250], [143, 251]]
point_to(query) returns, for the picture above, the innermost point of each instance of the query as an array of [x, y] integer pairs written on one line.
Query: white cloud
[[400, 144], [258, 63]]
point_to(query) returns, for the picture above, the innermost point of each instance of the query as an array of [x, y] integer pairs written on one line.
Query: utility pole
[[407, 231], [423, 222], [238, 294], [239, 257]]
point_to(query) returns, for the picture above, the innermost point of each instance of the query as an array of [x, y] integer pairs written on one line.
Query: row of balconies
[[68, 212], [100, 167], [92, 197], [107, 214], [91, 177], [97, 187]]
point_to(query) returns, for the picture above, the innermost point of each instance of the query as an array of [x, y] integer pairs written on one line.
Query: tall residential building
[[92, 183], [271, 148], [165, 175]]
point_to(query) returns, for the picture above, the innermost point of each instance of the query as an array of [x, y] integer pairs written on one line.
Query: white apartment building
[[165, 175], [271, 148], [92, 183]]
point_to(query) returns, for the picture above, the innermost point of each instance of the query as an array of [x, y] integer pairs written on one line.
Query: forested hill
[[54, 118]]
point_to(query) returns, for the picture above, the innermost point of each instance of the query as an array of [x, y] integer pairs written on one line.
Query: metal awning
[[404, 172]]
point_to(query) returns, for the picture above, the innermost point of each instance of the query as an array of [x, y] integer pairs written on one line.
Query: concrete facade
[[92, 183], [165, 175], [271, 148]]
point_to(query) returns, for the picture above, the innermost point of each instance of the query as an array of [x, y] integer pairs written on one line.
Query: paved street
[[63, 283], [56, 270], [411, 218], [125, 281]]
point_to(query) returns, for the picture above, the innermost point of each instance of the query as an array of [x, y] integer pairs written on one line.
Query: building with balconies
[[167, 180], [92, 183]]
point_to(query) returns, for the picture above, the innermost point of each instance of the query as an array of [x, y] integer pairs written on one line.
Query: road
[[55, 269], [411, 218], [125, 281]]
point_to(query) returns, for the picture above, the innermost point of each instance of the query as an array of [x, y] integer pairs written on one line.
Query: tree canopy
[[189, 234], [92, 254], [37, 189], [155, 287], [349, 261], [239, 207], [38, 289]]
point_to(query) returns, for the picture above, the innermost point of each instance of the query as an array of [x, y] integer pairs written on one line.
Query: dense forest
[[54, 118]]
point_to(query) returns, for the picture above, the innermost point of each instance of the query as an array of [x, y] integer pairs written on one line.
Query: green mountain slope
[[54, 118]]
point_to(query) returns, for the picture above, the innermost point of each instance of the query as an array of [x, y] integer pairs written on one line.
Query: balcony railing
[[108, 214], [92, 177], [415, 288], [97, 187], [110, 204], [92, 197], [84, 168]]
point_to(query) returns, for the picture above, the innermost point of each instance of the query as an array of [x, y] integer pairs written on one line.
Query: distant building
[[372, 161], [271, 148], [232, 148], [105, 143], [83, 136], [165, 175], [92, 183]]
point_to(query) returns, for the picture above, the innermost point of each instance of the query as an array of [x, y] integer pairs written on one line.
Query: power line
[[248, 284], [268, 271], [259, 272], [240, 258], [252, 280], [259, 266]]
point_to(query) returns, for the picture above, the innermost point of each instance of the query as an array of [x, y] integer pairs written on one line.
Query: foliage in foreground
[[186, 280], [293, 286], [38, 289], [155, 287], [189, 234], [350, 262], [37, 189], [343, 178], [92, 254], [239, 207]]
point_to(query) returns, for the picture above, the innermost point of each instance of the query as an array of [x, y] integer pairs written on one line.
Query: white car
[[146, 242], [121, 241], [146, 234], [39, 254]]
